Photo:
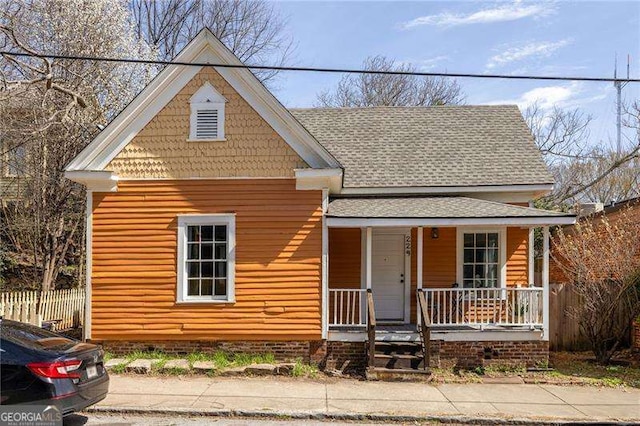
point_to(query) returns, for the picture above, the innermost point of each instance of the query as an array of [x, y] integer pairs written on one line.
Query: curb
[[303, 415]]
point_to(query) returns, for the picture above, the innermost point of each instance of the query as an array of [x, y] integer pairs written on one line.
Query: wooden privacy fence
[[564, 331], [64, 308]]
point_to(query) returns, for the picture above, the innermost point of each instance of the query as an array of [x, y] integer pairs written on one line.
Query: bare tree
[[251, 29], [597, 180], [559, 133], [585, 171], [50, 109], [601, 260], [364, 90]]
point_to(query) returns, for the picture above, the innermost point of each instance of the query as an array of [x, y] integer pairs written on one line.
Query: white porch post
[[531, 258], [325, 265], [86, 327], [420, 255], [545, 282], [367, 261]]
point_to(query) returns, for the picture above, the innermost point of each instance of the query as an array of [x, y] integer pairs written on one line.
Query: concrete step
[[397, 374], [398, 361]]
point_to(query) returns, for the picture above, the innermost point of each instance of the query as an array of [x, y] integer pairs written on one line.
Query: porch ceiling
[[436, 211]]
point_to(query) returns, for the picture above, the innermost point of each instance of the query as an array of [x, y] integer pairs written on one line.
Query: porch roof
[[436, 211]]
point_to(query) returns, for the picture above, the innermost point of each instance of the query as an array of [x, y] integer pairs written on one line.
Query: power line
[[323, 70]]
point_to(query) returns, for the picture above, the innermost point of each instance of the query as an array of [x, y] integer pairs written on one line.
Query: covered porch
[[463, 265]]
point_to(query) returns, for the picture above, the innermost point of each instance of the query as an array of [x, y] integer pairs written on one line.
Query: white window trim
[[502, 251], [228, 219], [218, 103]]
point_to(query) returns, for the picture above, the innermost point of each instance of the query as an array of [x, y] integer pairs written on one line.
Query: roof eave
[[354, 222]]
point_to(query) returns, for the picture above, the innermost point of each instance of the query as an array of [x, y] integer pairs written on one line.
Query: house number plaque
[[407, 245]]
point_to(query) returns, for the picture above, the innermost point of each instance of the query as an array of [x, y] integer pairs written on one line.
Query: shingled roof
[[428, 146], [433, 208]]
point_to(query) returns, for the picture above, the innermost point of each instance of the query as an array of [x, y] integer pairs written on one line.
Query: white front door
[[388, 276]]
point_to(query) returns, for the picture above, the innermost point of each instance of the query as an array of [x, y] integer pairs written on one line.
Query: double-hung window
[[481, 260], [206, 258]]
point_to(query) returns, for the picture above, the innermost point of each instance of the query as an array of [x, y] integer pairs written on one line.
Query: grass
[[568, 368], [220, 359], [223, 360], [579, 367], [301, 369]]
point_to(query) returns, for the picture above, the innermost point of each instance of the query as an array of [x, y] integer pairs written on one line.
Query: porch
[[470, 261]]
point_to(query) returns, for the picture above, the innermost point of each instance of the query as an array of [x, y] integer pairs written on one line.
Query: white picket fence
[[64, 308]]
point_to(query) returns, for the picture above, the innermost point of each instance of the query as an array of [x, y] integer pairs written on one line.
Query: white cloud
[[426, 64], [533, 49], [549, 96], [505, 13]]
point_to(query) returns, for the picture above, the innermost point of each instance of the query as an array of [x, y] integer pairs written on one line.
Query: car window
[[33, 337]]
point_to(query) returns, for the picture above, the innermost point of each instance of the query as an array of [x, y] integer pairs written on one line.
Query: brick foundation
[[351, 357], [473, 354], [348, 357]]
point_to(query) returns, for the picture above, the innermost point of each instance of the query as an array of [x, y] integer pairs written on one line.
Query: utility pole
[[619, 85]]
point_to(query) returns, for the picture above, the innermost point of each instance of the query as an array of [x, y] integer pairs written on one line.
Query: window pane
[[193, 252], [479, 271], [492, 255], [468, 255], [492, 283], [481, 240], [493, 240], [221, 233], [221, 287], [193, 233], [207, 269], [221, 269], [468, 271], [468, 283], [480, 255], [221, 251], [206, 287], [193, 269], [492, 271], [207, 252], [207, 233], [194, 288], [468, 240]]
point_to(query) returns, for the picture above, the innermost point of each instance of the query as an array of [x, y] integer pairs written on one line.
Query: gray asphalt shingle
[[428, 146], [430, 207]]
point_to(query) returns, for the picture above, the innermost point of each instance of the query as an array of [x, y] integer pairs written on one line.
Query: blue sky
[[545, 38]]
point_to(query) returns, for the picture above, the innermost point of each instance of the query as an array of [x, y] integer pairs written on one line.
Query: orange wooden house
[[217, 218]]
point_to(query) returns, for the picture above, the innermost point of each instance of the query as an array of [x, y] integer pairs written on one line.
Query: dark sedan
[[45, 368]]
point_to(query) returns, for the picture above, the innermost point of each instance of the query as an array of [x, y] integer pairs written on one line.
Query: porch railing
[[347, 308], [479, 307]]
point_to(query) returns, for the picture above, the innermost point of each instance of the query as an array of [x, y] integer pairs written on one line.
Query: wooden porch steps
[[398, 361]]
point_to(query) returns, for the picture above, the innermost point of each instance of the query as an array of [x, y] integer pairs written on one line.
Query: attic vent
[[207, 115], [207, 124]]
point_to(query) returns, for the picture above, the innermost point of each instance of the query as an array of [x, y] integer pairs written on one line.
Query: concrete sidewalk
[[352, 399]]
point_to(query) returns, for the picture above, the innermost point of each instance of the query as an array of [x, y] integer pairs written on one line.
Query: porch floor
[[409, 333]]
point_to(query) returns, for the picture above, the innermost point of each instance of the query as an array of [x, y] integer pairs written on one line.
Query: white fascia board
[[277, 116], [311, 179], [356, 222], [537, 189], [205, 47], [108, 144], [96, 181]]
